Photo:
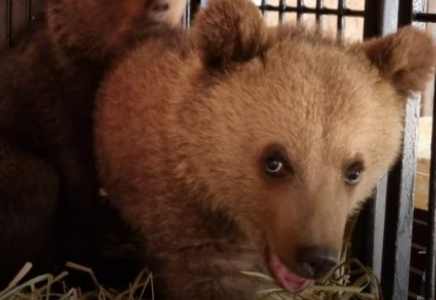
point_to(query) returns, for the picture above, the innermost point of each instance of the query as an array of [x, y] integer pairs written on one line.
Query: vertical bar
[[300, 5], [28, 11], [341, 12], [405, 12], [35, 8], [319, 6], [187, 18], [399, 219], [282, 10], [381, 18], [191, 8], [374, 21], [375, 217], [263, 8], [430, 276], [3, 25], [8, 22], [19, 19]]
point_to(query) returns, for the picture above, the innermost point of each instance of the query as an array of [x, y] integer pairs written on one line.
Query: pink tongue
[[288, 280]]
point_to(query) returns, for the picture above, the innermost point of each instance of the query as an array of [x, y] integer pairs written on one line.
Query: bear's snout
[[316, 262], [297, 271]]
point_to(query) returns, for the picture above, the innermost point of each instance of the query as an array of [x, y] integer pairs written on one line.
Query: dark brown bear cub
[[49, 206], [231, 147]]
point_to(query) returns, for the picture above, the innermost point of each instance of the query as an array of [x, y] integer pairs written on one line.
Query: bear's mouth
[[287, 279]]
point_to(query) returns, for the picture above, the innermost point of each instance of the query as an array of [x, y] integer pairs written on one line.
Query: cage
[[396, 233]]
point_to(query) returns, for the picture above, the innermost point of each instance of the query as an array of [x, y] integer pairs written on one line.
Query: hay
[[43, 287], [349, 281], [337, 287]]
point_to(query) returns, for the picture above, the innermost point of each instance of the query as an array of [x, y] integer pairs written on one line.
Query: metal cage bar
[[407, 16], [319, 7], [263, 7], [425, 18], [430, 279], [28, 11], [310, 10], [405, 13], [187, 17], [374, 236], [282, 10], [340, 20], [399, 221], [380, 19], [8, 17], [300, 9]]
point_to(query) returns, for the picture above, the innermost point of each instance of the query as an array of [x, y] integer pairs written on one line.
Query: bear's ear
[[407, 58], [227, 31]]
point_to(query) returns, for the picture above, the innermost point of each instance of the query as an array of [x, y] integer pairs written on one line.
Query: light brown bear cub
[[237, 147]]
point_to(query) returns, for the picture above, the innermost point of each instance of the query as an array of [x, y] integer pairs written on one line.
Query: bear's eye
[[275, 166], [353, 173]]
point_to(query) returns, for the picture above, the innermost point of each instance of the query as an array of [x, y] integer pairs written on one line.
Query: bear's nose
[[316, 262]]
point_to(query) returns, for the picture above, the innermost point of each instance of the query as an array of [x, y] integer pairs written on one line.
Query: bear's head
[[290, 131], [98, 29]]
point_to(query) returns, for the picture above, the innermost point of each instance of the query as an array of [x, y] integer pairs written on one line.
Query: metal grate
[[285, 10], [319, 10]]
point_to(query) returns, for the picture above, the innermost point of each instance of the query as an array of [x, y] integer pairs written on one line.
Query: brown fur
[[230, 41], [400, 63], [183, 157], [49, 206]]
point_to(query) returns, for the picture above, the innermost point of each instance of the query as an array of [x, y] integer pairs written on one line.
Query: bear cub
[[231, 146]]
